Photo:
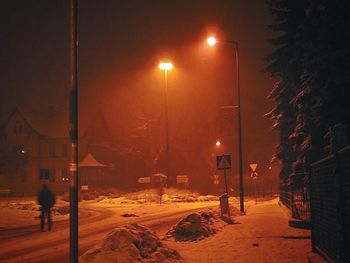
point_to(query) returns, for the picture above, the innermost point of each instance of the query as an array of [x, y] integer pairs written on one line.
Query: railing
[[330, 210], [300, 197], [5, 192], [294, 194], [286, 194]]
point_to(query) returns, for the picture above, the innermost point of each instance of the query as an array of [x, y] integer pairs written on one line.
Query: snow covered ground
[[262, 235], [96, 218], [16, 212], [25, 212]]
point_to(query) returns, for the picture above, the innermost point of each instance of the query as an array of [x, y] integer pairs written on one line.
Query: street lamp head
[[165, 66], [218, 143], [211, 41]]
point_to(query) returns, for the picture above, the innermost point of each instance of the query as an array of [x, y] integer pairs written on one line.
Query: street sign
[[254, 175], [182, 179], [216, 178], [223, 162], [253, 166], [144, 180]]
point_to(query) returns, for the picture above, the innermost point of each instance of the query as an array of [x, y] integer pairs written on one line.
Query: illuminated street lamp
[[211, 42], [166, 66], [218, 143]]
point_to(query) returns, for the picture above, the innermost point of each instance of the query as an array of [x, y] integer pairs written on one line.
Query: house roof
[[97, 131], [52, 122], [90, 161], [17, 112]]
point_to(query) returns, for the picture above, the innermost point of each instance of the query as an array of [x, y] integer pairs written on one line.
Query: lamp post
[[166, 66], [211, 42], [73, 134]]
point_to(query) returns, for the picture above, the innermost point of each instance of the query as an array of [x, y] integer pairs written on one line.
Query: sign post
[[254, 176], [223, 162]]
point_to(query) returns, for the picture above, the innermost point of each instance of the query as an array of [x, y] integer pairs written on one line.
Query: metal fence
[[300, 197], [330, 199], [294, 194], [286, 194]]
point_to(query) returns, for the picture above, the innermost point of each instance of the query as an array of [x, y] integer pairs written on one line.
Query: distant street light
[[218, 143], [211, 42], [166, 66]]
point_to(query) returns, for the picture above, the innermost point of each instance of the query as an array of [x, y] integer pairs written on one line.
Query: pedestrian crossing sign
[[223, 162]]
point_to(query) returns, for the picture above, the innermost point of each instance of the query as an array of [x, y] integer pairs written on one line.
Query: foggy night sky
[[121, 44]]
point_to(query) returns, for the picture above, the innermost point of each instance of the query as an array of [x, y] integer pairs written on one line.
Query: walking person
[[46, 200]]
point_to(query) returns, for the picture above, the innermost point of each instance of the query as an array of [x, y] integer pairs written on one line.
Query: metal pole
[[73, 133], [240, 156], [227, 195], [225, 181], [166, 125], [256, 191]]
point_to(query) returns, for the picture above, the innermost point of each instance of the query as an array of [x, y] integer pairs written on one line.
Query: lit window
[[64, 175], [18, 149]]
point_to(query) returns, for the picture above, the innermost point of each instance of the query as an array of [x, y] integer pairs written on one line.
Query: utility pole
[[73, 133], [240, 154]]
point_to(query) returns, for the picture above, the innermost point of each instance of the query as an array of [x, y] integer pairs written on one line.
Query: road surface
[[28, 244]]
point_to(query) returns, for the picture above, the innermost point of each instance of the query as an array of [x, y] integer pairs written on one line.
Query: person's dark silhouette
[[46, 200]]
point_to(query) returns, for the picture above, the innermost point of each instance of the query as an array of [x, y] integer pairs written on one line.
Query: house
[[35, 149], [29, 157]]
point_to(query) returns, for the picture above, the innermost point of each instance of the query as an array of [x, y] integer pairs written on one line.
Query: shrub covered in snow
[[60, 210], [171, 195], [27, 205], [194, 227], [131, 243]]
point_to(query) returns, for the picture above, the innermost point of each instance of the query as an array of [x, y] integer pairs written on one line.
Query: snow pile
[[30, 205], [171, 195], [131, 243], [61, 209], [129, 215], [194, 227]]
